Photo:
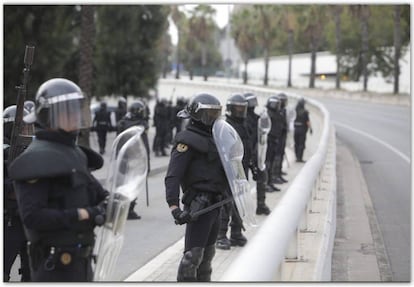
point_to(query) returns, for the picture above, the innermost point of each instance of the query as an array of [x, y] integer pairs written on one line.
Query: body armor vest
[[65, 169], [205, 172]]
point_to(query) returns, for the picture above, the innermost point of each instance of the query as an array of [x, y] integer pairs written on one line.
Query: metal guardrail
[[278, 239]]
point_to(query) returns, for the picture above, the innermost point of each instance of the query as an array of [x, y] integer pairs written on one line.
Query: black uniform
[[195, 166], [52, 181], [258, 175], [14, 238], [102, 124], [275, 147], [162, 124], [301, 128]]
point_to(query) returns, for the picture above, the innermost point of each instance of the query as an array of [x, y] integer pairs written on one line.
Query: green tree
[[126, 58], [53, 30]]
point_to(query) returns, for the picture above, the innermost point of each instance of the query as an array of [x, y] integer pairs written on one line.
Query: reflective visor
[[68, 112], [208, 116]]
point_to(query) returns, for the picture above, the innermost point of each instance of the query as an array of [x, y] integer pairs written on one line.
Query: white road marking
[[390, 147]]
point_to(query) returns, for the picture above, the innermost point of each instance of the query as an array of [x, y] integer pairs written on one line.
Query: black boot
[[131, 213], [262, 209], [236, 237], [204, 270], [223, 243], [187, 271]]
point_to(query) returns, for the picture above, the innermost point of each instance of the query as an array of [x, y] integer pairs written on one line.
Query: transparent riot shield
[[290, 118], [126, 179], [263, 127], [230, 149]]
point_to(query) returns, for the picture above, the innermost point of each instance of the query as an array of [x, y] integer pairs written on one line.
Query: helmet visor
[[68, 112], [238, 111], [208, 116]]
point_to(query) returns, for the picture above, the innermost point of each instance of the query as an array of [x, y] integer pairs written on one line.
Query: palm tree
[[86, 60], [397, 47], [314, 21], [243, 32], [363, 13], [203, 25], [289, 25], [337, 11], [178, 18]]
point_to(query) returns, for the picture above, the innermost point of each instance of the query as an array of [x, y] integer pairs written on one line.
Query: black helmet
[[203, 108], [301, 104], [9, 115], [60, 104], [283, 99], [251, 100], [137, 109], [273, 103], [236, 106], [104, 105]]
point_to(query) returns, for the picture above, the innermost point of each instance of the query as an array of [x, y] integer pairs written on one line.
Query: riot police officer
[[236, 112], [260, 176], [121, 109], [274, 142], [136, 116], [102, 124], [195, 166], [14, 237], [283, 105], [162, 124], [301, 124], [60, 202]]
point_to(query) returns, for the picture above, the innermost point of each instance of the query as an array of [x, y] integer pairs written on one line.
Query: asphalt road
[[380, 136]]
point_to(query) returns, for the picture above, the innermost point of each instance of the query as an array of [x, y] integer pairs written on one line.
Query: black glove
[[181, 217], [97, 213], [310, 130]]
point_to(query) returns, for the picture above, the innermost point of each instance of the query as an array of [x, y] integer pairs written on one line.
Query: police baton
[[210, 208], [146, 189]]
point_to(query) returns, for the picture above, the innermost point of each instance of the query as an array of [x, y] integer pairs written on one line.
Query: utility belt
[[57, 257], [195, 200], [297, 124]]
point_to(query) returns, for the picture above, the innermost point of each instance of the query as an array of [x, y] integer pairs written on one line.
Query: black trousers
[[202, 232], [101, 138], [78, 270], [14, 244], [300, 139]]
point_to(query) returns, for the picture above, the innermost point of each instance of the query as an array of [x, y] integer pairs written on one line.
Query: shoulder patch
[[182, 147]]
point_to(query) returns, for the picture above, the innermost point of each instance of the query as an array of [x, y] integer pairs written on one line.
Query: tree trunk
[[204, 60], [177, 72], [338, 37], [266, 74], [397, 47], [313, 66], [245, 72], [86, 61], [364, 33], [290, 52]]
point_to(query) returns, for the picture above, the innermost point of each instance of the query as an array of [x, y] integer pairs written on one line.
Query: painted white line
[[390, 147]]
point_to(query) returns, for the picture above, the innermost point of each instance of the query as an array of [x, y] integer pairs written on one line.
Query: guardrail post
[[292, 250]]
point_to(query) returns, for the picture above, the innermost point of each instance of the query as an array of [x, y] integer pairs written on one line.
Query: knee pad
[[187, 271]]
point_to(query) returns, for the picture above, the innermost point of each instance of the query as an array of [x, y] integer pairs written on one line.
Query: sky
[[221, 18]]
